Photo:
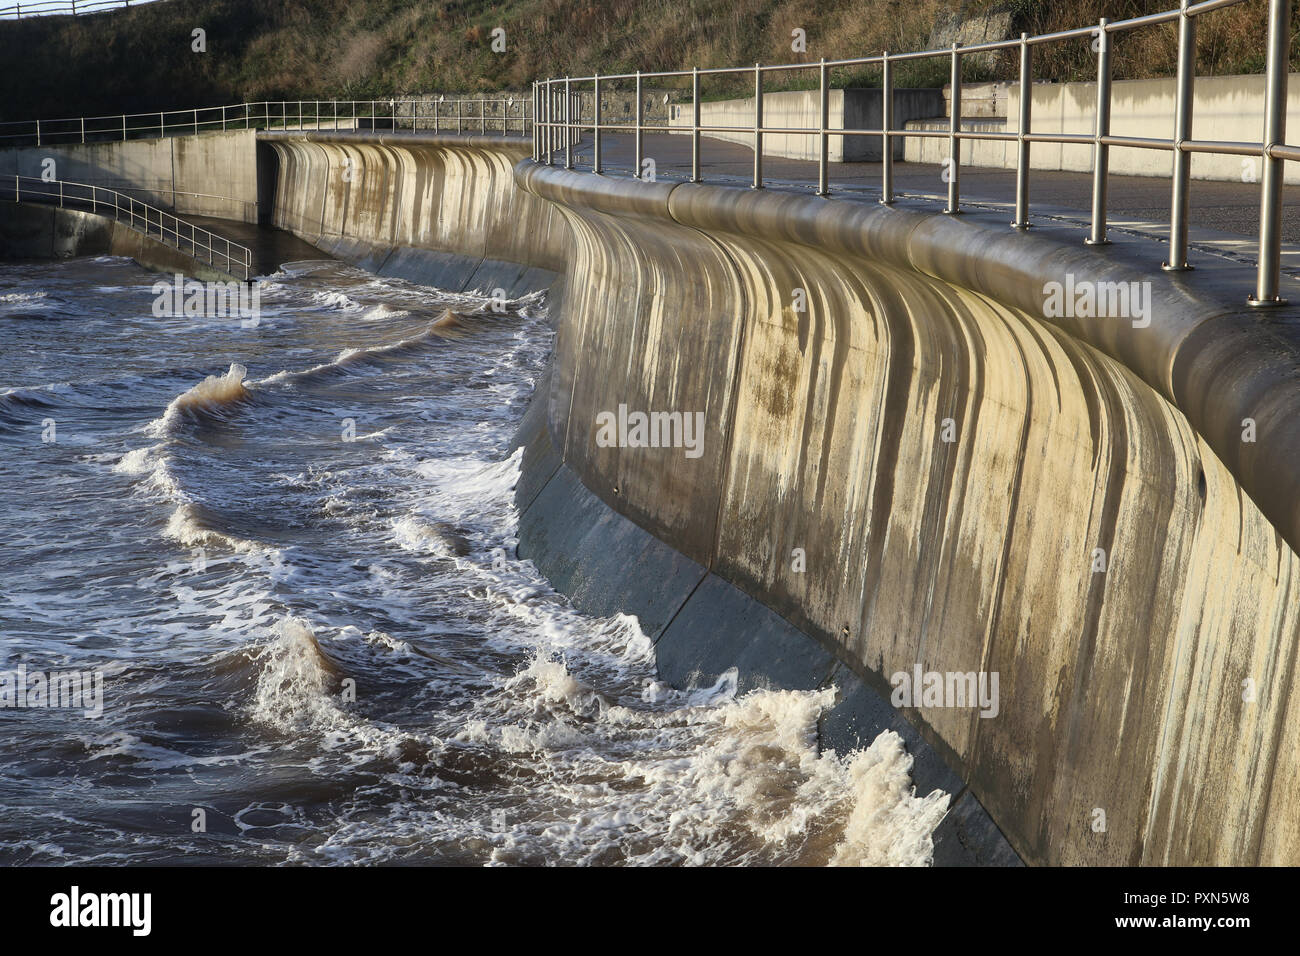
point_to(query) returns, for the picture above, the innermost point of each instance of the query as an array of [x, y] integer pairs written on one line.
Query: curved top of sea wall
[[1217, 363]]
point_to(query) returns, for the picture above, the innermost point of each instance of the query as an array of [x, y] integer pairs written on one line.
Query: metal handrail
[[50, 8], [230, 257], [561, 121], [466, 114]]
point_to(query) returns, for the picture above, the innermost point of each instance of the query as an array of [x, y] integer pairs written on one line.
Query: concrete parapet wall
[[211, 174], [848, 109], [1225, 108]]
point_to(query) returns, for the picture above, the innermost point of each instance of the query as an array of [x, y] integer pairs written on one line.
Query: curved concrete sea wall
[[918, 469], [437, 209]]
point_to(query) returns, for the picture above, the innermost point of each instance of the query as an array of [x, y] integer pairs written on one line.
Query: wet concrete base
[[442, 270]]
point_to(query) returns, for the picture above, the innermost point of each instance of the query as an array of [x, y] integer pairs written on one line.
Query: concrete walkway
[[271, 247]]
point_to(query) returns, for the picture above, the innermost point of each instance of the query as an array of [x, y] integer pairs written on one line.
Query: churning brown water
[[289, 552]]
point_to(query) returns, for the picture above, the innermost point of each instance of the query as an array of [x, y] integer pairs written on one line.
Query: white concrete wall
[[801, 109], [791, 109], [1226, 108], [210, 174]]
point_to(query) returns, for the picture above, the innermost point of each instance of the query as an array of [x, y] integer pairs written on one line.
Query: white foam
[[212, 394]]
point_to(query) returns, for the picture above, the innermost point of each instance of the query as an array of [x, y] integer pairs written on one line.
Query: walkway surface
[[271, 247]]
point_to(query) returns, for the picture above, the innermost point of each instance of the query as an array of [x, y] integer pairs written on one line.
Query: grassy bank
[[141, 59]]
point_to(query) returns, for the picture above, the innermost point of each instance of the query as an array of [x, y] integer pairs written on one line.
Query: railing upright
[[954, 144], [640, 133], [886, 124], [758, 127], [823, 137], [568, 127], [549, 130], [595, 124], [1025, 121], [1274, 167], [695, 124], [1182, 176], [1100, 150]]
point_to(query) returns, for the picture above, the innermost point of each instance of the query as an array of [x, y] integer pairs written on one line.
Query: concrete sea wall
[[1121, 690], [915, 470], [438, 209], [904, 463]]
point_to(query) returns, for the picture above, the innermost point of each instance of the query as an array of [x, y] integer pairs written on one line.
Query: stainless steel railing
[[442, 114], [204, 245], [560, 120]]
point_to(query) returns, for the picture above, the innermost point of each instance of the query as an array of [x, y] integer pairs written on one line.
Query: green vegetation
[[140, 59]]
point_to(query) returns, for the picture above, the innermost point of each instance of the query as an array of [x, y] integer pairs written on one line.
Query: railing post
[[886, 124], [83, 130], [568, 127], [124, 127], [435, 116], [1182, 132], [639, 135], [1100, 151], [196, 122], [1270, 191], [1022, 144], [758, 127], [595, 124], [38, 132], [695, 124], [954, 144], [549, 131], [223, 119], [823, 142]]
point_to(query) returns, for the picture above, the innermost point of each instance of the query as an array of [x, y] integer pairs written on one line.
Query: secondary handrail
[[558, 104], [506, 114], [49, 8], [230, 257]]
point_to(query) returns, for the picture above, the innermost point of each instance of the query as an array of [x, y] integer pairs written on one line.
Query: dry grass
[[140, 59]]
